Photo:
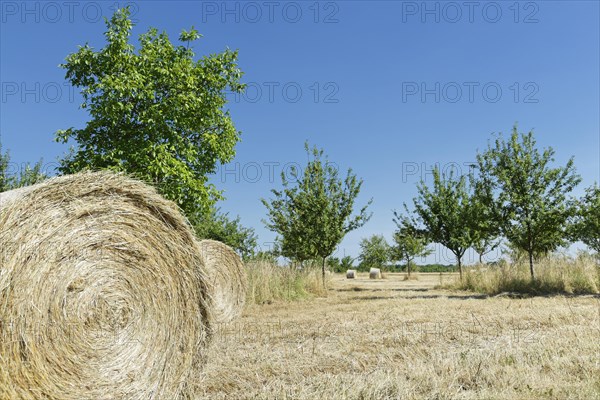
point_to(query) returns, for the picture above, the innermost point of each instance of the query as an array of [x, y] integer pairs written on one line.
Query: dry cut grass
[[396, 339]]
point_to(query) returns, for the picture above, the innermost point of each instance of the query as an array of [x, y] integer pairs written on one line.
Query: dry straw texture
[[227, 280], [102, 293], [351, 274], [393, 339], [375, 273]]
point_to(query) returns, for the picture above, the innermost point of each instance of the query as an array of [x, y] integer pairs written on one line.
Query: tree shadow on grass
[[515, 296], [373, 298], [433, 296], [451, 297], [359, 289]]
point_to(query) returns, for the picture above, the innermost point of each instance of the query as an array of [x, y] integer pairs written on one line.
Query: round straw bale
[[227, 280], [102, 292], [351, 274], [374, 273]]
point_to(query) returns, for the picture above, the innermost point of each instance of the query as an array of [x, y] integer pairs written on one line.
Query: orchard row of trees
[[513, 195]]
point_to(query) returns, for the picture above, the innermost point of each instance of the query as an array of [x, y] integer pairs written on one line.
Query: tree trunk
[[459, 267], [531, 265], [480, 258], [408, 267], [323, 271]]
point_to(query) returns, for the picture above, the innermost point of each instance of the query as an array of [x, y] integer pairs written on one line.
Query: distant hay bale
[[103, 294], [227, 276], [374, 273], [351, 274]]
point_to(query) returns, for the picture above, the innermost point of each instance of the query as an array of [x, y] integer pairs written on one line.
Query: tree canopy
[[530, 194], [314, 210], [374, 252], [156, 113], [409, 242], [445, 212]]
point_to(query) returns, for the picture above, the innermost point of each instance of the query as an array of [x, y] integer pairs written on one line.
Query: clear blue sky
[[388, 88]]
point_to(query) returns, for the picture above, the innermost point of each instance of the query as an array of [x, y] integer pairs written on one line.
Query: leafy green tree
[[374, 252], [218, 226], [155, 112], [29, 175], [314, 211], [587, 224], [445, 213], [530, 195], [409, 242]]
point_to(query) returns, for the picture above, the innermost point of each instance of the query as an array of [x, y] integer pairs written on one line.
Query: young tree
[[530, 195], [312, 216], [587, 223], [375, 252], [155, 112], [445, 212], [409, 242], [29, 175]]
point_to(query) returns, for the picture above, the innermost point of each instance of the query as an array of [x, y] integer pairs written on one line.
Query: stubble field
[[396, 339]]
